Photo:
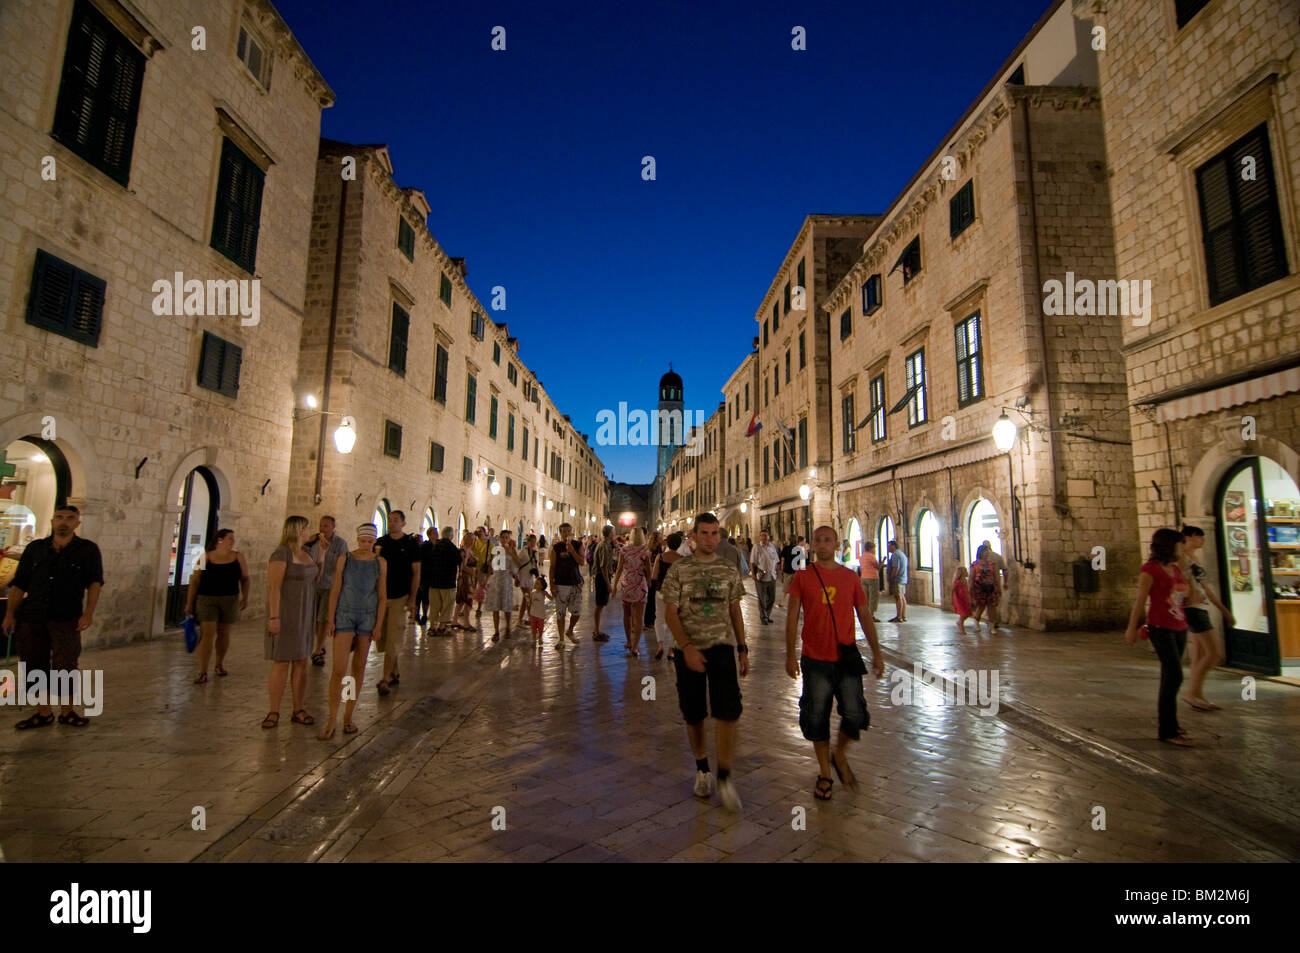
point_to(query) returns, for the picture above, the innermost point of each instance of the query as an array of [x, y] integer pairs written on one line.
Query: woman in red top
[[961, 598], [1161, 584]]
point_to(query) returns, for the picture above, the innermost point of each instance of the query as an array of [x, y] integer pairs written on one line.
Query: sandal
[[382, 688], [36, 721], [221, 670], [1200, 704], [300, 717], [394, 679], [318, 658], [822, 791], [349, 729], [326, 734], [73, 719], [271, 720], [659, 655], [202, 679], [1178, 740], [845, 774]]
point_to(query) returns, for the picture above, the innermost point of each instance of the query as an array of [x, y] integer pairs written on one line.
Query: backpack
[[984, 578]]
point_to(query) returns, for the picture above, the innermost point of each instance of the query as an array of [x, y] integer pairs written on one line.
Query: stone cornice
[[904, 216], [809, 222], [287, 47]]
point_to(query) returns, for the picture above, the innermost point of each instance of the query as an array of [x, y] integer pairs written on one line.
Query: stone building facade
[[451, 426], [793, 361], [739, 463], [942, 325], [180, 177], [1202, 127]]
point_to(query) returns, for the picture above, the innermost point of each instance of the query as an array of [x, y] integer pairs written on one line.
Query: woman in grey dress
[[291, 584]]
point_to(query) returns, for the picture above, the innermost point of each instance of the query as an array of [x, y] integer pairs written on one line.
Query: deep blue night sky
[[531, 158]]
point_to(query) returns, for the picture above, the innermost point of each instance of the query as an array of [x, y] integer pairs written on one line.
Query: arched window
[[982, 526], [460, 528], [380, 516], [855, 543], [429, 525], [884, 533]]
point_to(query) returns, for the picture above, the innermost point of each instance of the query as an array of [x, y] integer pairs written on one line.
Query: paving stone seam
[[1122, 765]]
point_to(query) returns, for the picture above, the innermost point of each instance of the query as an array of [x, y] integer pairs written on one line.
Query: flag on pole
[[754, 426]]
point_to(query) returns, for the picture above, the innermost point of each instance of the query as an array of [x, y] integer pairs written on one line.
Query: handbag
[[850, 656]]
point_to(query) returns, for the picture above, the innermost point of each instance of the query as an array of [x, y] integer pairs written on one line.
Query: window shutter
[[238, 207], [1261, 231], [1216, 219], [436, 454], [397, 340], [66, 300], [219, 365]]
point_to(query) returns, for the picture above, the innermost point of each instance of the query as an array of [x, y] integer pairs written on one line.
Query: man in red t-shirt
[[830, 596]]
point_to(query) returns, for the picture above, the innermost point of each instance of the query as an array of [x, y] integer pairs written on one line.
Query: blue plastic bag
[[191, 627]]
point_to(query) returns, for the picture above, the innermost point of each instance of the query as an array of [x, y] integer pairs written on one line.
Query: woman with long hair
[[655, 545], [356, 610], [290, 627], [632, 568], [669, 556], [218, 593], [465, 583], [1162, 591], [1207, 650]]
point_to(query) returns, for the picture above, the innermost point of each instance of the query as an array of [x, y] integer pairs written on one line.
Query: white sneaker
[[730, 798], [703, 784]]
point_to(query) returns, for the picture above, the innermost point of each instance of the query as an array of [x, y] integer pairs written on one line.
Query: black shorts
[[1198, 620], [719, 679], [602, 591]]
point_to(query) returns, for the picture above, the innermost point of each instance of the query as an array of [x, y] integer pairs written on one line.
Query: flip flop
[[349, 729], [36, 721]]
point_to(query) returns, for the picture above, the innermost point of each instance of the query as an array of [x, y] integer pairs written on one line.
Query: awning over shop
[[1231, 395]]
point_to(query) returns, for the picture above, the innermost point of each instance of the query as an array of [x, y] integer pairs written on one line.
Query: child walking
[[537, 605], [961, 598]]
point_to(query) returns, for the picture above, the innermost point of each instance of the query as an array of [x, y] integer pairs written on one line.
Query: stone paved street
[[585, 769]]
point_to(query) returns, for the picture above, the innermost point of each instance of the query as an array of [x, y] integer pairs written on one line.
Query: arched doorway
[[460, 528], [380, 516], [34, 479], [199, 501], [429, 524], [982, 526], [928, 558], [855, 543], [884, 533], [1257, 519]]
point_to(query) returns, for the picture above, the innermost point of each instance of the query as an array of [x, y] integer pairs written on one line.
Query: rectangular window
[[510, 433], [765, 400], [406, 239], [66, 300], [910, 260], [787, 365], [476, 331], [492, 417], [776, 317], [444, 290], [524, 443], [466, 470], [803, 356], [99, 94], [801, 282], [397, 340], [846, 323], [436, 455], [970, 382], [776, 380], [747, 396], [496, 350], [764, 334], [535, 456], [746, 473], [1184, 10], [848, 428], [766, 474], [512, 374], [440, 376], [871, 295], [471, 399], [786, 296], [961, 209], [1240, 223], [219, 363], [915, 381], [803, 441], [252, 52], [238, 209], [878, 408], [392, 439], [509, 484]]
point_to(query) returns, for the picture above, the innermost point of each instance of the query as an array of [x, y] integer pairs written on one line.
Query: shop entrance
[[855, 544], [34, 479], [982, 526], [1257, 517], [927, 554], [196, 525]]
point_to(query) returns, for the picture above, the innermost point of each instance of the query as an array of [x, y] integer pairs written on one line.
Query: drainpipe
[[1062, 508], [1173, 479], [329, 349]]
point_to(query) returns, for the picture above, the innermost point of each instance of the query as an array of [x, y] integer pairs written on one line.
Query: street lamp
[[494, 487], [1004, 432], [805, 491], [345, 436], [550, 504], [744, 507]]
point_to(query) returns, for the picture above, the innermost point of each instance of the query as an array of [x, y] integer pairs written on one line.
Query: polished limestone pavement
[[512, 752]]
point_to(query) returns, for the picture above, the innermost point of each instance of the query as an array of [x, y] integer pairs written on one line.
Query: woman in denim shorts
[[356, 610]]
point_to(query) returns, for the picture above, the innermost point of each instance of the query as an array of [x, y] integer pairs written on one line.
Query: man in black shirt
[[402, 554], [45, 604], [566, 582], [439, 567], [426, 570]]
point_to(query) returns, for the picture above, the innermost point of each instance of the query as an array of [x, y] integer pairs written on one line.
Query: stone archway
[[78, 452]]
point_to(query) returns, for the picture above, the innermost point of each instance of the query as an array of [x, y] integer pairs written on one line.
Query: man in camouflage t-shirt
[[702, 596]]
